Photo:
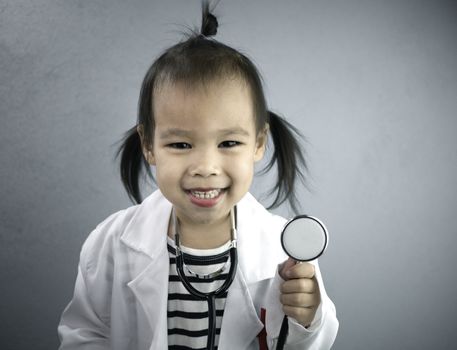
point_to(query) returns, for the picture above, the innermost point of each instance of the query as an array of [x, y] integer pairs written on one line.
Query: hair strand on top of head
[[209, 21]]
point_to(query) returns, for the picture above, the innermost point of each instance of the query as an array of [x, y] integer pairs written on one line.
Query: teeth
[[206, 194]]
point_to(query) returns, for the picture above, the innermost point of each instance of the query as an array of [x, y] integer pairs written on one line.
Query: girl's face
[[205, 147]]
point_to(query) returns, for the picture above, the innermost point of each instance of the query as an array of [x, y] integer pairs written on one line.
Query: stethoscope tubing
[[216, 293], [211, 296]]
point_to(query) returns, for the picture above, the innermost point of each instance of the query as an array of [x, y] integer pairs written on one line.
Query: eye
[[229, 144], [179, 145]]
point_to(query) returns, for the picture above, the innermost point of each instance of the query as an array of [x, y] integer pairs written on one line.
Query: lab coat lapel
[[146, 235], [150, 293], [240, 324]]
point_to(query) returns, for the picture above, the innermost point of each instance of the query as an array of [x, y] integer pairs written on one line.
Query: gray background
[[372, 84]]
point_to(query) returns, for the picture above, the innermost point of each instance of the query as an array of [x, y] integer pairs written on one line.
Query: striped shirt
[[187, 314]]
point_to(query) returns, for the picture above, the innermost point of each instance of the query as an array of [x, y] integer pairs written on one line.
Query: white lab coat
[[120, 297]]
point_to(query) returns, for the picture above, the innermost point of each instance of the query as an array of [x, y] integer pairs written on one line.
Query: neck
[[202, 236]]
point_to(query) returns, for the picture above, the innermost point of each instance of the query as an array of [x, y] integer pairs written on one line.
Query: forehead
[[225, 102]]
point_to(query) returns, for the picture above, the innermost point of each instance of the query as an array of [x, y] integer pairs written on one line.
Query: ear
[[261, 143], [147, 149]]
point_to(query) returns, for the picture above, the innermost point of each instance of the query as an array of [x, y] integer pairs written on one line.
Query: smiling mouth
[[208, 194], [206, 197]]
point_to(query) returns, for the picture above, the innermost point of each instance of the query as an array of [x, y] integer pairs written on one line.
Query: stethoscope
[[303, 238], [211, 296]]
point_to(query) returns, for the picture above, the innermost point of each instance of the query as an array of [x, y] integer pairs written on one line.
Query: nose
[[204, 163]]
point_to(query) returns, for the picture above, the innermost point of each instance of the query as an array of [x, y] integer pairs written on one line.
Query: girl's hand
[[300, 295]]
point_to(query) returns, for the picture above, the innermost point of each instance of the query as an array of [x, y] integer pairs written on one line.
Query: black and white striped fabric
[[188, 315]]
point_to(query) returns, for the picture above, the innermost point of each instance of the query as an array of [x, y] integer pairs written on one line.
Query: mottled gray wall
[[372, 84]]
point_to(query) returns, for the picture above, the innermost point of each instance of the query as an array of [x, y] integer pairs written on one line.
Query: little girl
[[202, 125]]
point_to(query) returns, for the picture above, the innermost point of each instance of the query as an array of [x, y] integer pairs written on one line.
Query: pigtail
[[131, 164], [289, 158]]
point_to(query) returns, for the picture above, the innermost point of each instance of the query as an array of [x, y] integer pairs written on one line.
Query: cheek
[[166, 172], [243, 168]]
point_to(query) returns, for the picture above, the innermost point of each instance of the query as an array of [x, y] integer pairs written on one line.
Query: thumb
[[285, 267]]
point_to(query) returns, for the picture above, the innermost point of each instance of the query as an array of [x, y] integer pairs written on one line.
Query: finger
[[302, 315], [286, 266], [301, 270], [300, 285], [300, 299]]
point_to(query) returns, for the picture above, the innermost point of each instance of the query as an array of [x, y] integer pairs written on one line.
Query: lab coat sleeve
[[80, 326], [323, 329]]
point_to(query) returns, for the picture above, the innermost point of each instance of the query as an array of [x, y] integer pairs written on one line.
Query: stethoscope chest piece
[[304, 238]]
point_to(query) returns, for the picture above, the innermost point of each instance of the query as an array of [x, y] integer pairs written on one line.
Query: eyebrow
[[182, 132], [173, 132], [234, 131]]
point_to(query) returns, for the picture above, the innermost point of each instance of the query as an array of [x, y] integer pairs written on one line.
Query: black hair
[[201, 59]]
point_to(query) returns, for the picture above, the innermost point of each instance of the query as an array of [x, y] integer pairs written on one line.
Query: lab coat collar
[[147, 233], [258, 240], [148, 228]]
